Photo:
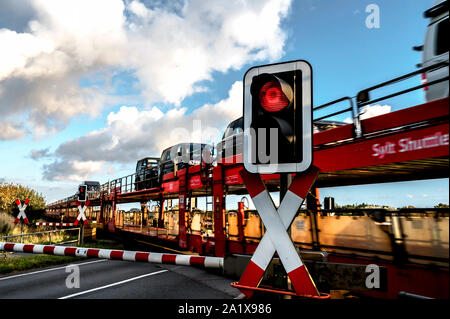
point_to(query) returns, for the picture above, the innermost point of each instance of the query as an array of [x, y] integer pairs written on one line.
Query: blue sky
[[100, 77]]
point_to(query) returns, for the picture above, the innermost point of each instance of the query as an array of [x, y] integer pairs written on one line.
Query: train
[[411, 243]]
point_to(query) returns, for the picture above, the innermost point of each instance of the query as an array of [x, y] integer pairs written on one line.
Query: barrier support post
[[241, 218], [21, 232], [161, 212], [82, 234], [219, 207], [182, 192]]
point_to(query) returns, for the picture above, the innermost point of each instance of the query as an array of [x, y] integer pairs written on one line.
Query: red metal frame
[[424, 112], [336, 158], [219, 208]]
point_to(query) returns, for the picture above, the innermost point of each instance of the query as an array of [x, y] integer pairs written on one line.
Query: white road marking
[[45, 270], [112, 285]]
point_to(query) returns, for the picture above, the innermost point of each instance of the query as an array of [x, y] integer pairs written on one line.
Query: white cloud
[[170, 48], [130, 115], [374, 110], [131, 134], [39, 154], [10, 131], [21, 48], [140, 10], [369, 111], [173, 52], [40, 68], [73, 170]]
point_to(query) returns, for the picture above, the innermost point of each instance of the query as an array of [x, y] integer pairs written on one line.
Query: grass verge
[[15, 264]]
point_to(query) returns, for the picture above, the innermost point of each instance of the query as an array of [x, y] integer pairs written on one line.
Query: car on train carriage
[[183, 155], [232, 142], [435, 50], [147, 173], [93, 189], [92, 186]]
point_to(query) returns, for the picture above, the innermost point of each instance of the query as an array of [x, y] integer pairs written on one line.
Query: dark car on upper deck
[[147, 173], [232, 142], [93, 189], [183, 155]]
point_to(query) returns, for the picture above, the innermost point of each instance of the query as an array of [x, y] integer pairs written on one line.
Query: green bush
[[6, 223], [10, 192]]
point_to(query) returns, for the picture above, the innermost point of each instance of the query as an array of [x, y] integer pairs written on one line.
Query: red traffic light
[[275, 95], [278, 118], [82, 193]]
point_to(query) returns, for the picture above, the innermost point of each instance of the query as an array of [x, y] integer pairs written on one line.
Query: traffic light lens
[[82, 189], [272, 97]]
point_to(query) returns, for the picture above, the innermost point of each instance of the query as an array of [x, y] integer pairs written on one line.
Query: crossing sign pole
[[278, 140], [276, 238], [81, 208], [21, 215]]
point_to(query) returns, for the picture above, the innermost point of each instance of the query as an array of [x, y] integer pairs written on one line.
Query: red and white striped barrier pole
[[54, 224], [22, 211], [160, 258], [276, 239]]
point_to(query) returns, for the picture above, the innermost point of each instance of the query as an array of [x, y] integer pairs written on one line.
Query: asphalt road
[[111, 279]]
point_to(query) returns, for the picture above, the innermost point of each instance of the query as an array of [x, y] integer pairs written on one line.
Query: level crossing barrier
[[54, 224], [151, 257]]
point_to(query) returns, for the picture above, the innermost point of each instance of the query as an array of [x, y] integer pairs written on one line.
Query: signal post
[[278, 139], [82, 204]]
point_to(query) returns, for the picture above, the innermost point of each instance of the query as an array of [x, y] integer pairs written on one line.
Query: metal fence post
[[82, 234]]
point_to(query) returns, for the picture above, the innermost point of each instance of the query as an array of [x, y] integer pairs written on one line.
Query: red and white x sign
[[22, 211], [276, 238], [81, 215]]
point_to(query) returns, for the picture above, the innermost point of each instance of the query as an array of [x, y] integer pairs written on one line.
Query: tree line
[[10, 192]]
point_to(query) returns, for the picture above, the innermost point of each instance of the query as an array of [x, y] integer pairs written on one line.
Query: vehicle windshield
[[92, 186], [442, 44], [152, 163], [166, 155], [234, 128], [184, 152]]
